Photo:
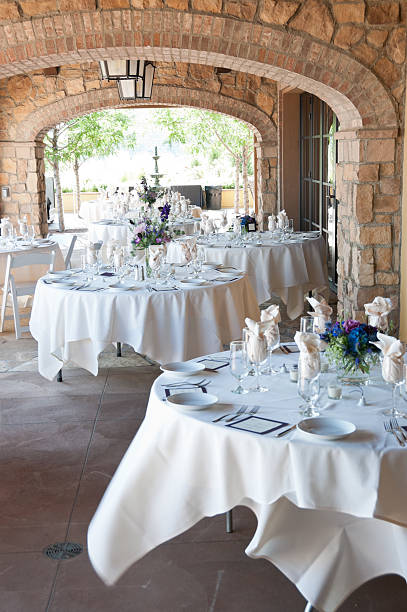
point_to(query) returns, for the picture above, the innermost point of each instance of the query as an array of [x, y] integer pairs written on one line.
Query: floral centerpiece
[[350, 348], [148, 231], [248, 223], [147, 194]]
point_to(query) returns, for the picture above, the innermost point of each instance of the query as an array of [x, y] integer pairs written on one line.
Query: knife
[[282, 433]]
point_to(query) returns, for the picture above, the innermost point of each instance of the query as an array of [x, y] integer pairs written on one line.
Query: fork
[[389, 429], [254, 410], [396, 425], [241, 410]]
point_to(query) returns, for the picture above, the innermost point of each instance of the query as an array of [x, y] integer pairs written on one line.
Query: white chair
[[70, 251], [15, 289]]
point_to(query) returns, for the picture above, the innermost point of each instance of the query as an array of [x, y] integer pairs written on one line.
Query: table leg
[[308, 607], [229, 522], [59, 376], [119, 349]]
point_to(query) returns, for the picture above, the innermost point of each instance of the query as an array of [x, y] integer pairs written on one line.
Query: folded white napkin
[[272, 223], [281, 219], [272, 316], [322, 313], [209, 227], [156, 253], [309, 362], [224, 218], [393, 351], [256, 343], [378, 311], [111, 247], [236, 226], [189, 249]]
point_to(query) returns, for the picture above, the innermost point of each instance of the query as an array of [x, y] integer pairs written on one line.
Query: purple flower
[[350, 324]]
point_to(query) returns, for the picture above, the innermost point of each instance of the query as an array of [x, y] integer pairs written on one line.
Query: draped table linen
[[111, 230], [30, 273], [331, 514], [287, 269], [75, 326], [95, 210]]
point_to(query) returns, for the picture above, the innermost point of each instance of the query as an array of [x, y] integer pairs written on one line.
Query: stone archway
[[31, 130], [297, 56]]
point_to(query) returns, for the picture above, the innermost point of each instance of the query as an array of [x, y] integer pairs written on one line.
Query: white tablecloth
[[331, 514], [110, 231], [187, 227], [287, 269], [95, 210], [167, 326], [31, 273]]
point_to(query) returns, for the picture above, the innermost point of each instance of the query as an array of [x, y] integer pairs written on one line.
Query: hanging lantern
[[134, 77]]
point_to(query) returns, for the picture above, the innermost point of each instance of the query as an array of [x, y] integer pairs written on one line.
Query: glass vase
[[147, 268]]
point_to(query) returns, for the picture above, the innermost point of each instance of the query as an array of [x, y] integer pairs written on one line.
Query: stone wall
[[30, 104]]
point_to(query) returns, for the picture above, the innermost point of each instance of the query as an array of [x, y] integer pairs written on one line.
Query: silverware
[[220, 418], [241, 410], [254, 410], [396, 425], [286, 431], [390, 429]]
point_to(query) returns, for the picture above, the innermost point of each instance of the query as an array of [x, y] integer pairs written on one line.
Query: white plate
[[120, 287], [210, 265], [193, 281], [326, 428], [192, 400], [45, 244], [182, 368], [227, 270], [63, 273]]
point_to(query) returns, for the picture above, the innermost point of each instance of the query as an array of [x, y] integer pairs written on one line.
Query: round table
[[109, 230], [186, 226], [167, 325], [331, 514], [95, 210], [289, 269]]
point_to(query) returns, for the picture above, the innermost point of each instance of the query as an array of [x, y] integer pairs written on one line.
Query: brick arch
[[355, 94], [37, 123]]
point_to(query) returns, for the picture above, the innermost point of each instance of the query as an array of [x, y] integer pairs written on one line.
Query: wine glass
[[31, 233], [394, 411], [239, 367], [308, 387], [257, 354], [273, 342]]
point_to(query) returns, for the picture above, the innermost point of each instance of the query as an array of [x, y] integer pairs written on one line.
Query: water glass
[[239, 366], [397, 390], [272, 346], [307, 325], [308, 390]]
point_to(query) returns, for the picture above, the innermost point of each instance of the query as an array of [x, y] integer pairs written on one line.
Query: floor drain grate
[[62, 550]]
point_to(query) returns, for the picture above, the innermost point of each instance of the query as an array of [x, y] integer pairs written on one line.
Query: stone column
[[368, 192], [22, 170], [267, 166]]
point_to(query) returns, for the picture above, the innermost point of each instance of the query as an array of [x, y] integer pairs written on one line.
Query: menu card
[[259, 425]]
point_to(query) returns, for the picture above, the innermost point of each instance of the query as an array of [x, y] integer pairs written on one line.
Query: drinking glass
[[394, 411], [31, 233], [307, 325], [239, 367], [308, 390], [270, 348], [257, 354]]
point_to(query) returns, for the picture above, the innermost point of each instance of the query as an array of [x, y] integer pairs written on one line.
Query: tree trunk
[[77, 190], [237, 190], [245, 181], [58, 191]]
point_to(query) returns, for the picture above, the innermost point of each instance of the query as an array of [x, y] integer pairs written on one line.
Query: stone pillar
[[267, 167], [22, 170], [368, 193]]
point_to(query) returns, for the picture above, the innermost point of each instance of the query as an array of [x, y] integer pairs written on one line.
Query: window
[[318, 155]]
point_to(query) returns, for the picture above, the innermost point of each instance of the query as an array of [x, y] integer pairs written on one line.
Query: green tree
[[205, 131], [99, 134]]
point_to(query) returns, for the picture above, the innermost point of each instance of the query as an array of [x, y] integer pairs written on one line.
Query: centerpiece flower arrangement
[[148, 231], [350, 348], [147, 194], [246, 222]]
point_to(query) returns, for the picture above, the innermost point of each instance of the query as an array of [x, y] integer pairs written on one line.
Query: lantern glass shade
[[114, 69], [127, 89]]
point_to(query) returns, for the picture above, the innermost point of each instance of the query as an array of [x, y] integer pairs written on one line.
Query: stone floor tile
[[48, 409], [25, 572], [32, 538], [14, 385], [24, 601], [124, 405]]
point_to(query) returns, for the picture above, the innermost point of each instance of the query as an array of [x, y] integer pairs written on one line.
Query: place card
[[259, 425]]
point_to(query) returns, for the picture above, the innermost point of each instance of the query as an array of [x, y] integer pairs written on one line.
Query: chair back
[[70, 251], [17, 260]]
